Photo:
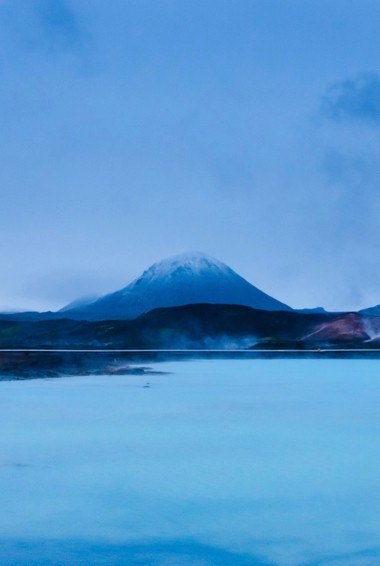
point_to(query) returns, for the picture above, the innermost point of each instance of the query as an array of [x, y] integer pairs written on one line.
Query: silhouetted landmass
[[199, 326]]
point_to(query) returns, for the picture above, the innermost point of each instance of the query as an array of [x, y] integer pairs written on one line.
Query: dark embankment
[[201, 326]]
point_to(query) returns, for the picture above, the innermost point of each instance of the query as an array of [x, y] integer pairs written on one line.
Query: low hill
[[196, 326]]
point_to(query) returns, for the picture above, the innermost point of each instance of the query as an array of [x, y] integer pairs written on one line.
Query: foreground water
[[270, 462]]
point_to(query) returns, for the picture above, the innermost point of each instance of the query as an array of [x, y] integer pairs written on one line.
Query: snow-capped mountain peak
[[189, 264], [184, 279]]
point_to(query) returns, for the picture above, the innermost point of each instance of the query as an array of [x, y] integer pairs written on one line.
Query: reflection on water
[[270, 462]]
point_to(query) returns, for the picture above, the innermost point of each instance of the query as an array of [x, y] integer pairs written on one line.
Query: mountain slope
[[371, 311], [185, 279]]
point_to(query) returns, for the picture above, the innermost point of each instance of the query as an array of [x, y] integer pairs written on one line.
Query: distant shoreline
[[189, 350], [22, 364]]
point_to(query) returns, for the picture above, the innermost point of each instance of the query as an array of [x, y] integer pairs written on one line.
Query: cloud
[[353, 100], [345, 141]]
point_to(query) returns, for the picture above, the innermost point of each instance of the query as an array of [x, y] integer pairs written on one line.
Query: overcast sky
[[132, 130]]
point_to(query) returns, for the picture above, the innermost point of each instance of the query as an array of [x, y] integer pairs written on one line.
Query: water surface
[[270, 462]]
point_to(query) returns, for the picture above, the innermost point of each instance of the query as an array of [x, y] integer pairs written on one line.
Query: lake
[[218, 462]]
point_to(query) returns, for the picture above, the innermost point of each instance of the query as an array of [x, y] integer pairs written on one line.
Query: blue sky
[[135, 130]]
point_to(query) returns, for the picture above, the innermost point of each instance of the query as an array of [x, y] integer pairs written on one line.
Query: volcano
[[185, 279]]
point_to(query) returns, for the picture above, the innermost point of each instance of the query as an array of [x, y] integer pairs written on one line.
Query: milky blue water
[[270, 462]]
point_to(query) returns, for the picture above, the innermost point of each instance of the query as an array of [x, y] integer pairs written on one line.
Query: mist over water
[[271, 462]]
